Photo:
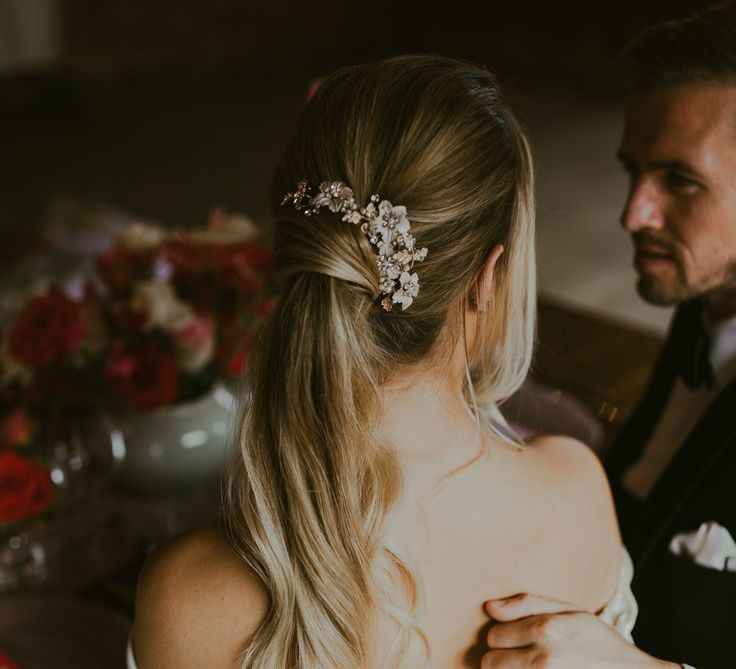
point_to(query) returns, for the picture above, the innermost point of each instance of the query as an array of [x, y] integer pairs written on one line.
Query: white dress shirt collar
[[723, 350]]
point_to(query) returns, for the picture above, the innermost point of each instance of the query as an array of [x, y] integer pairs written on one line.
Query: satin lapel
[[630, 442], [713, 435]]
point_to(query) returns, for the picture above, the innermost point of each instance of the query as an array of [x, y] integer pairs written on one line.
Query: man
[[673, 470]]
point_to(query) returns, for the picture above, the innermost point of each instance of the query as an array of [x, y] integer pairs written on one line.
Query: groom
[[673, 469]]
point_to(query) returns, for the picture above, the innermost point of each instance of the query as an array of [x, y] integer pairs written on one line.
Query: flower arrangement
[[165, 314]]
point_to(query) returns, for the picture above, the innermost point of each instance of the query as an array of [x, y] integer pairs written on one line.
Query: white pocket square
[[710, 546]]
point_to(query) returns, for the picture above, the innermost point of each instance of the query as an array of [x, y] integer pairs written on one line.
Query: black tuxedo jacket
[[687, 613]]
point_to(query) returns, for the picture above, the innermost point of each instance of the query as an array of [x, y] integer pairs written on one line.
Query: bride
[[378, 497]]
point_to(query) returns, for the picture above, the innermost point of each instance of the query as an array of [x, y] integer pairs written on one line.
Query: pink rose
[[196, 343]]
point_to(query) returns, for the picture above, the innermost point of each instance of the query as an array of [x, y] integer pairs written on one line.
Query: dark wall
[[565, 40], [166, 107]]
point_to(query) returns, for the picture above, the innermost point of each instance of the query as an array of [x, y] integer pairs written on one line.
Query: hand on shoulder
[[197, 605]]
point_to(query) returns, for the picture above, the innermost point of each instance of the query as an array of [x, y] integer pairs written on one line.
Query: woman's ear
[[485, 285]]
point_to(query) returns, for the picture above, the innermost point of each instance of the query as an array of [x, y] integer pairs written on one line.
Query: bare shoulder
[[197, 604], [580, 512], [569, 459]]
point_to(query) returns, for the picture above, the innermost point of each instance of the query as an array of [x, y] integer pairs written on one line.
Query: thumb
[[525, 605]]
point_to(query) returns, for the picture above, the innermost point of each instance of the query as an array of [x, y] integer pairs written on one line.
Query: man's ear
[[485, 283]]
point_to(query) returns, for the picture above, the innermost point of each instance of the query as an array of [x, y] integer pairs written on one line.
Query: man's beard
[[661, 294], [657, 289], [670, 290]]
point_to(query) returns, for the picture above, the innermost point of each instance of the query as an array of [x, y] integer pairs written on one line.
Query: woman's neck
[[427, 419]]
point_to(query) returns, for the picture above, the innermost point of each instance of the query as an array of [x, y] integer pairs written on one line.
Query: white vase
[[175, 449]]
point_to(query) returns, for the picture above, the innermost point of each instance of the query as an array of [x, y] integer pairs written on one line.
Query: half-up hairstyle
[[310, 494]]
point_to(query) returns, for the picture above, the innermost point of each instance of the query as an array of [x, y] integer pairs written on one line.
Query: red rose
[[242, 266], [232, 353], [145, 377], [50, 328], [245, 266], [188, 257], [25, 487]]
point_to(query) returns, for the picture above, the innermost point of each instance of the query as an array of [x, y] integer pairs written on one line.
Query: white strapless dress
[[620, 612]]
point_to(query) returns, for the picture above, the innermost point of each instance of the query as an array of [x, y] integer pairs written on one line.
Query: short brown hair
[[700, 47]]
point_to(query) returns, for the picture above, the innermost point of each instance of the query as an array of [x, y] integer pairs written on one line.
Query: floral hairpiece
[[386, 227]]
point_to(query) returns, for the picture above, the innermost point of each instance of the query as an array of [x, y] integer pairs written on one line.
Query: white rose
[[225, 228], [141, 236], [162, 306]]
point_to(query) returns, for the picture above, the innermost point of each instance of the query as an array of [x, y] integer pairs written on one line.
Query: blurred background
[[166, 108]]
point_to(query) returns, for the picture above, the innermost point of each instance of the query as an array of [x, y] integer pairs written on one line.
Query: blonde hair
[[309, 496]]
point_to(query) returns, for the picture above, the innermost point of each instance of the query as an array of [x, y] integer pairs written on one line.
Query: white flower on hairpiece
[[408, 291], [385, 247], [403, 258], [334, 195], [389, 267], [394, 217], [370, 212], [386, 285], [377, 228], [353, 216]]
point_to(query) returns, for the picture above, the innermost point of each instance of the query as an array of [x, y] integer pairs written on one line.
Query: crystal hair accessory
[[386, 227]]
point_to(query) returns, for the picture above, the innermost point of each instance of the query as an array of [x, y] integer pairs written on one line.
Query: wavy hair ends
[[311, 493]]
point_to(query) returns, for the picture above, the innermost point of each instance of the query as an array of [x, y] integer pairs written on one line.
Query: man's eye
[[679, 182]]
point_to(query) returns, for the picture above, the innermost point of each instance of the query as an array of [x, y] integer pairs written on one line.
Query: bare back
[[533, 520]]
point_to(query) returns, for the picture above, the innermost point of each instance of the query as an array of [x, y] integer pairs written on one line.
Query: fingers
[[521, 606], [525, 658], [518, 633]]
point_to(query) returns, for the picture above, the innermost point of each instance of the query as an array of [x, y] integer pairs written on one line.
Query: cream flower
[[388, 267], [386, 285], [408, 291], [224, 227], [420, 255], [395, 217], [161, 305], [334, 195], [141, 236], [353, 217]]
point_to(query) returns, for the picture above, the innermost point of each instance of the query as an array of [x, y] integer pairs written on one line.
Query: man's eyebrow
[[674, 164]]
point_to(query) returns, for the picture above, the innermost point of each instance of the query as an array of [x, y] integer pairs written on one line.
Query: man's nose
[[643, 208]]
